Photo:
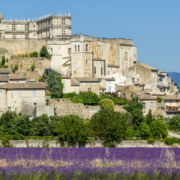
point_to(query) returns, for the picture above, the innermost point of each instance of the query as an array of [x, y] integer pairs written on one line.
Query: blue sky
[[154, 25]]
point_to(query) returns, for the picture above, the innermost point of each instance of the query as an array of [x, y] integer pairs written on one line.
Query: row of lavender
[[90, 163]]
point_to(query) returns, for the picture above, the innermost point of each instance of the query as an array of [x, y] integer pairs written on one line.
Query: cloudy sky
[[154, 25]]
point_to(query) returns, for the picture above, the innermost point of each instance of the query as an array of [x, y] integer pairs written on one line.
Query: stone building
[[48, 26]]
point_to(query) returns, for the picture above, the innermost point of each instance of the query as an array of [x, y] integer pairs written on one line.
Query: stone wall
[[66, 107], [56, 144]]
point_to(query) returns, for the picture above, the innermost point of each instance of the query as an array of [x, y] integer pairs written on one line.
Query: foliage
[[174, 123], [171, 141], [133, 104], [69, 95], [109, 126], [159, 99], [41, 126], [21, 125], [44, 52], [158, 129], [3, 62], [54, 83], [149, 117], [137, 117], [151, 141], [107, 104], [15, 68], [145, 131], [132, 133], [33, 54], [33, 67], [71, 130]]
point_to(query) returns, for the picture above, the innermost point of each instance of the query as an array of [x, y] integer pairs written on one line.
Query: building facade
[[48, 26]]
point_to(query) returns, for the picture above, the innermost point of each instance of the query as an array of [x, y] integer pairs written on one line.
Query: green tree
[[33, 67], [3, 61], [40, 126], [137, 118], [109, 126], [174, 123], [158, 129], [72, 130], [6, 121], [149, 117], [145, 131], [54, 83], [44, 52], [107, 104], [21, 125], [33, 54]]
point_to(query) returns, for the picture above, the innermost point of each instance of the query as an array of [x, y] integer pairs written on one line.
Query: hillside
[[175, 76]]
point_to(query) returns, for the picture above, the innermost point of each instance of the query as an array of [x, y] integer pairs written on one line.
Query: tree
[[145, 131], [72, 130], [40, 126], [21, 125], [158, 129], [54, 83], [109, 126], [33, 54], [149, 117], [137, 117], [44, 52], [174, 123], [3, 61], [107, 104], [33, 67], [89, 97], [6, 121]]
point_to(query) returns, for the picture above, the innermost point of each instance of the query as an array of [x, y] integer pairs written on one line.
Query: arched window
[[78, 48], [75, 47], [125, 56], [86, 47]]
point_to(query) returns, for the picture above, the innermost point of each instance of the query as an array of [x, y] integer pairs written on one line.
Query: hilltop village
[[85, 64]]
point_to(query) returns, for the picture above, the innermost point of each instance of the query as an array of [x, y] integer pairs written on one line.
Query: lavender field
[[90, 163]]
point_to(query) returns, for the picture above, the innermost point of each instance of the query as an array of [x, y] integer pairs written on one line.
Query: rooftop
[[86, 79]]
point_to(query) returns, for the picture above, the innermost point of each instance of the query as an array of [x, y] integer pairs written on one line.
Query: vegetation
[[33, 54], [44, 52], [33, 67], [107, 104], [174, 123], [15, 68], [3, 62], [159, 99]]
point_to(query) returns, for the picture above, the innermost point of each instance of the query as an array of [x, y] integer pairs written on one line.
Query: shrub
[[33, 54], [159, 100], [107, 104], [150, 141], [171, 141], [44, 52], [89, 98], [69, 95], [33, 67]]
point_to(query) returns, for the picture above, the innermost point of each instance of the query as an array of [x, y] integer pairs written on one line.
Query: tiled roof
[[86, 79], [102, 88], [4, 78], [74, 84], [119, 87], [147, 97], [16, 76], [5, 70], [147, 66], [29, 85], [109, 79], [170, 97]]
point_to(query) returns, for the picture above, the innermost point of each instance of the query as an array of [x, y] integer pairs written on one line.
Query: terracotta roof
[[30, 85], [86, 79], [74, 84], [16, 76], [109, 79], [5, 70], [119, 87], [147, 66], [170, 97], [4, 78], [102, 88], [146, 96]]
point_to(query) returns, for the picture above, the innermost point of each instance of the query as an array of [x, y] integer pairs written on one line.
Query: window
[[35, 103], [64, 81], [12, 95], [9, 109], [94, 84], [63, 21], [63, 31], [74, 72], [19, 94], [101, 70], [89, 89], [144, 105], [125, 56], [34, 93], [75, 47], [64, 89], [0, 94], [109, 88], [94, 70], [86, 47], [74, 89], [86, 61], [78, 48], [152, 104]]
